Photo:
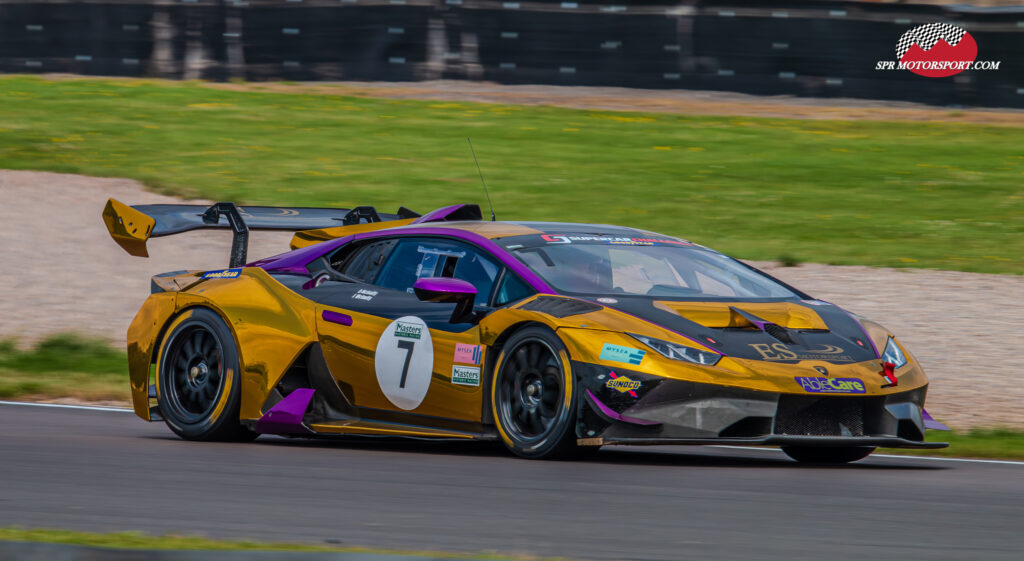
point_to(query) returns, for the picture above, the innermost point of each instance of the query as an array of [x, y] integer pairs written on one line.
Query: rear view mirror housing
[[441, 289]]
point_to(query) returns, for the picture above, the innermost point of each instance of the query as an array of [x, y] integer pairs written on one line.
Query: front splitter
[[773, 440]]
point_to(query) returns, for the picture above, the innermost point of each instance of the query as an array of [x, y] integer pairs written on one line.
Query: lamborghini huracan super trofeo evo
[[550, 337]]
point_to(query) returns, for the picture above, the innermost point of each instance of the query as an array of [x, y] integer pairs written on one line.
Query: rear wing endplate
[[132, 226]]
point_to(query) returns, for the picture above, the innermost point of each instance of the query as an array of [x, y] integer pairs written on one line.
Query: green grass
[[137, 540], [903, 194], [64, 365], [994, 443]]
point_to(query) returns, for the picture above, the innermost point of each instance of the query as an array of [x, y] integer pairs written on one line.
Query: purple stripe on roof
[[611, 414], [438, 215], [296, 260], [286, 416]]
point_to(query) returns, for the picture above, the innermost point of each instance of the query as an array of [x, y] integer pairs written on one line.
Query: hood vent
[[720, 315], [773, 329]]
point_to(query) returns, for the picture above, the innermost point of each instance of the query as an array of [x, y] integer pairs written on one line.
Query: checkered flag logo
[[927, 35]]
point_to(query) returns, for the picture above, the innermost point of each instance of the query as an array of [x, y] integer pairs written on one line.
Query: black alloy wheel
[[534, 416], [198, 381], [195, 372]]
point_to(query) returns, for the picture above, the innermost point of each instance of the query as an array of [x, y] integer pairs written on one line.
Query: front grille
[[820, 416]]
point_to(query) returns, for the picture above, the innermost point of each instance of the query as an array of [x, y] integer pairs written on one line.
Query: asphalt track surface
[[107, 471]]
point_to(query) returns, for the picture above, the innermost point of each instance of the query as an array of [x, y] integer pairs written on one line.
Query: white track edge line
[[65, 406], [899, 456]]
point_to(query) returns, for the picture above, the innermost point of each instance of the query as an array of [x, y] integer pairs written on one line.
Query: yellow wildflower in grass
[[570, 130], [662, 147]]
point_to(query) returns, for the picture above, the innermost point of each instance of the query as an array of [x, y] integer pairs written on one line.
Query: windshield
[[667, 268]]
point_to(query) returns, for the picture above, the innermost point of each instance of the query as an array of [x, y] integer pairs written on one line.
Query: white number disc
[[405, 361]]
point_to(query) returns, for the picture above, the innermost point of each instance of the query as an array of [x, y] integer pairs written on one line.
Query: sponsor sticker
[[830, 385], [618, 353], [624, 384], [408, 330], [780, 352], [365, 295], [608, 300], [551, 238], [468, 354], [403, 363], [466, 375], [222, 274]]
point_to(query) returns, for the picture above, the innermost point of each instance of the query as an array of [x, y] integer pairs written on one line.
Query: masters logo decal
[[624, 384], [408, 330], [618, 353], [466, 375], [223, 274], [830, 385]]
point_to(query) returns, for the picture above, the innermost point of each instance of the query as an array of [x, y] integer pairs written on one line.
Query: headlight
[[678, 352], [893, 354]]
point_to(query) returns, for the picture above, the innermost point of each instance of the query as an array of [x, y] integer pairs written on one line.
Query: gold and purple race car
[[553, 338]]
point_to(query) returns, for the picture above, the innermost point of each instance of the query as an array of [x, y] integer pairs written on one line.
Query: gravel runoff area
[[62, 272]]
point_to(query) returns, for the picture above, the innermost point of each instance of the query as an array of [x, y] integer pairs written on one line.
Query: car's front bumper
[[656, 410]]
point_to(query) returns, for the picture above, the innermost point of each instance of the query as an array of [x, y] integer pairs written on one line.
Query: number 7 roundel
[[404, 362]]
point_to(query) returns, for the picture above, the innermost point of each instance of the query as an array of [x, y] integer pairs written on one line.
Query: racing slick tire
[[825, 455], [198, 379], [534, 396]]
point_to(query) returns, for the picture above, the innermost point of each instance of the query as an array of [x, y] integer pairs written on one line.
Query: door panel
[[402, 365]]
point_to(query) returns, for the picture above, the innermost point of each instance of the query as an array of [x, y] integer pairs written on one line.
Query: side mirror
[[439, 289]]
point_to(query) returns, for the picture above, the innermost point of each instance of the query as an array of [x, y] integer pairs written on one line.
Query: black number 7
[[408, 346]]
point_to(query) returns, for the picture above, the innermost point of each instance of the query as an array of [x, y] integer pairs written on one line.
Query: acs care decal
[[814, 384], [618, 353], [404, 362]]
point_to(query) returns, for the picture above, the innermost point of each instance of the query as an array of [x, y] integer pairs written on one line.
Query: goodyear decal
[[624, 384], [618, 353], [222, 274], [466, 375], [830, 385]]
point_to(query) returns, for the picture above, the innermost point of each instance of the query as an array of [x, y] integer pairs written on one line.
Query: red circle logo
[[936, 50]]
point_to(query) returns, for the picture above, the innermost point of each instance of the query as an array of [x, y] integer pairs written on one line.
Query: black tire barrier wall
[[807, 48]]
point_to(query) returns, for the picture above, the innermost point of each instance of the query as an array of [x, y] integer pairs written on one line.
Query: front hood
[[787, 331]]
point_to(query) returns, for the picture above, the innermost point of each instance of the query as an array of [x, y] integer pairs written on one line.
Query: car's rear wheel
[[820, 455], [534, 396], [198, 382]]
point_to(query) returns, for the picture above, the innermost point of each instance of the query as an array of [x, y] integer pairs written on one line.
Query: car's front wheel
[[534, 396], [825, 455], [198, 382]]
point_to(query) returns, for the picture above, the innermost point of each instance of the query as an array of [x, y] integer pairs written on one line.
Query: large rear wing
[[132, 226]]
